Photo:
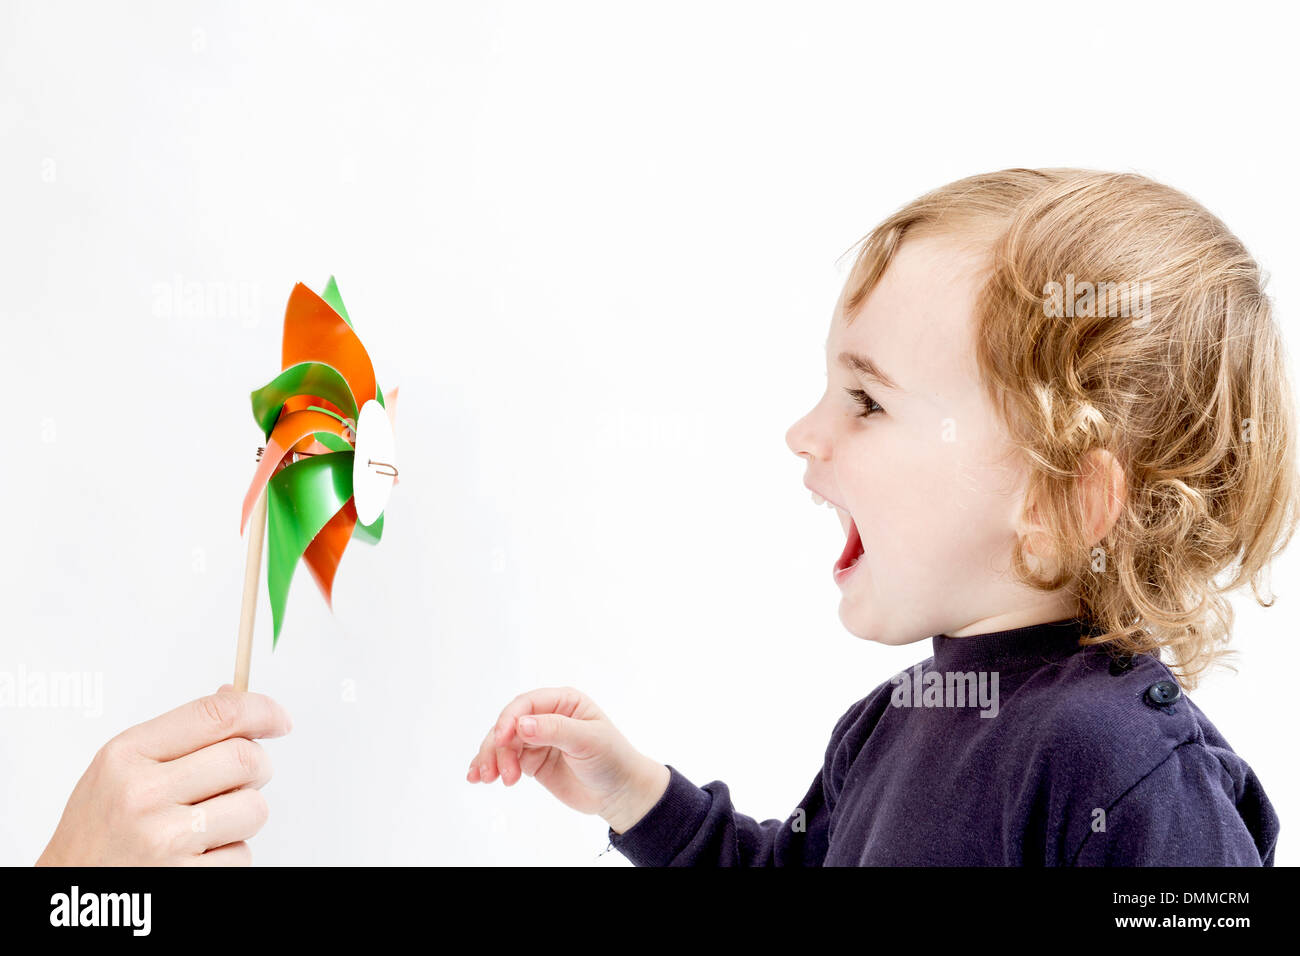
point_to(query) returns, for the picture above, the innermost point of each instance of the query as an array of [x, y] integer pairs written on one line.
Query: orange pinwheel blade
[[297, 403], [326, 550], [390, 405], [288, 432], [314, 332]]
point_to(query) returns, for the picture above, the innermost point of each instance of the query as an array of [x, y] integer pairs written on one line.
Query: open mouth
[[852, 550]]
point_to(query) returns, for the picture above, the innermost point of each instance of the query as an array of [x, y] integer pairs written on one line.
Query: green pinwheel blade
[[369, 533], [334, 300], [332, 441], [301, 499], [326, 411], [305, 378]]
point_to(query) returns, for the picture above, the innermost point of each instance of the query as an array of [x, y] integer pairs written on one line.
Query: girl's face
[[905, 443]]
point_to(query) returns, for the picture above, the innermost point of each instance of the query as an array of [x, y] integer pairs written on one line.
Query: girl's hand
[[558, 736]]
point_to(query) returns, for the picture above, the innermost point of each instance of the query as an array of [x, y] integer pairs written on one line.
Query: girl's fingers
[[484, 767], [532, 759], [475, 773], [503, 753], [508, 762], [544, 700], [496, 760]]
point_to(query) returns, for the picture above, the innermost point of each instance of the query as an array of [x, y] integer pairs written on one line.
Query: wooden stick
[[252, 573]]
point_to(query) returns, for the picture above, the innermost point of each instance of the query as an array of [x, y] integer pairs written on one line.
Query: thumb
[[225, 687], [577, 738]]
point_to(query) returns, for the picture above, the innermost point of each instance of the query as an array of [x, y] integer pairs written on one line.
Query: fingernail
[[482, 771], [527, 725]]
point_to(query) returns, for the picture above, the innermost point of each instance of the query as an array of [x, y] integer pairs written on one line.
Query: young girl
[[1057, 429]]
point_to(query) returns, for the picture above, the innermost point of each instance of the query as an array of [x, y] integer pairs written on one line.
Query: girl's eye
[[869, 404]]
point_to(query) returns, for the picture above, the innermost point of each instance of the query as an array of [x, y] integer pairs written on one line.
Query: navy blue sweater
[[1014, 748]]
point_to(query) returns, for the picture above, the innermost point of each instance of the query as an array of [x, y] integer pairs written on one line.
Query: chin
[[864, 627]]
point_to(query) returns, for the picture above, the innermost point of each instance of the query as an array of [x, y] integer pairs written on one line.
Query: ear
[[1029, 529], [1102, 487]]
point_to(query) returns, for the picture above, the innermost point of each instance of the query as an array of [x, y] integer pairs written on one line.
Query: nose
[[805, 440]]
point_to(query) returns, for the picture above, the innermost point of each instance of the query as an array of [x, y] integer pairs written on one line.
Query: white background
[[596, 246]]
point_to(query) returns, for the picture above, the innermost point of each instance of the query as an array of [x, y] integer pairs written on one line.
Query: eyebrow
[[864, 366]]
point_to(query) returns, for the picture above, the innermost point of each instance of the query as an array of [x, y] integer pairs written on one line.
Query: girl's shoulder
[[1119, 716], [1184, 796], [1126, 743]]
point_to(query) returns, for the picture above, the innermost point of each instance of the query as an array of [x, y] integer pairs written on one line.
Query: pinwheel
[[328, 466]]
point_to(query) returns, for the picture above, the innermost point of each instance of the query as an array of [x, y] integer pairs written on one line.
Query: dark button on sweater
[[1163, 692]]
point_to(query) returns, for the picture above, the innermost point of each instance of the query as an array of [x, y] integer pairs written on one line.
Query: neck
[[1042, 612]]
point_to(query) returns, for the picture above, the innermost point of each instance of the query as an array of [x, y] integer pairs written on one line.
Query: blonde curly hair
[[1163, 353]]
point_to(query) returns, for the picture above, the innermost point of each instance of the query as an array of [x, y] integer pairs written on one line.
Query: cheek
[[932, 507]]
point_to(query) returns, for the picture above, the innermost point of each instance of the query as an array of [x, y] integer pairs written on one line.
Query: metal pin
[[379, 466], [293, 456]]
